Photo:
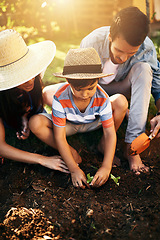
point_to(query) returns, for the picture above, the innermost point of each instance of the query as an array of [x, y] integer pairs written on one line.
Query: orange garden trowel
[[140, 143]]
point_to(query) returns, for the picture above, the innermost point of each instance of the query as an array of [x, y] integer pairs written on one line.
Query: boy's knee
[[122, 102], [119, 103]]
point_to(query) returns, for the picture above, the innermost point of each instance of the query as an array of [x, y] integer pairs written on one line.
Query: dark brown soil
[[43, 204]]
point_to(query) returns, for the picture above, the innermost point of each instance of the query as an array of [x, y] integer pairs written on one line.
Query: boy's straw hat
[[19, 63], [82, 63]]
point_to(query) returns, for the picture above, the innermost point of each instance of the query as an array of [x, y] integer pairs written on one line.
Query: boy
[[125, 47], [80, 106]]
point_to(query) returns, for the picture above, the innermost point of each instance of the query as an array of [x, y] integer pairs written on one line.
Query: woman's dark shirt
[[24, 102]]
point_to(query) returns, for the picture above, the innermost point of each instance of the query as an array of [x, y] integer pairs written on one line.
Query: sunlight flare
[[44, 4]]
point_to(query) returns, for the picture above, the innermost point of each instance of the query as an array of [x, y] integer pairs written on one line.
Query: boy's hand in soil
[[79, 178], [70, 157], [100, 177]]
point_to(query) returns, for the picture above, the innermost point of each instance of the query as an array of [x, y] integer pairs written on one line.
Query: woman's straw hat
[[82, 63], [19, 63]]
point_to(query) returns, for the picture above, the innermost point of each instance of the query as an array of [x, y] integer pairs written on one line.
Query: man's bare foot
[[135, 162], [116, 162]]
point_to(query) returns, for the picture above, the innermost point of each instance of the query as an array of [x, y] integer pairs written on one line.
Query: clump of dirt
[[23, 223]]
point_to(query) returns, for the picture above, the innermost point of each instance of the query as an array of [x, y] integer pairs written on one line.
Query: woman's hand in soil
[[24, 134], [55, 163], [100, 177], [79, 178]]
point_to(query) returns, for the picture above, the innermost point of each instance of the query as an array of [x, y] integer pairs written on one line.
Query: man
[[126, 51]]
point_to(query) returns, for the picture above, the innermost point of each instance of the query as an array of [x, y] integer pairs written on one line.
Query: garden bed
[[43, 204]]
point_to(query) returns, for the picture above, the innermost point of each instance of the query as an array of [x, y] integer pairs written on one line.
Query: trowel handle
[[151, 137]]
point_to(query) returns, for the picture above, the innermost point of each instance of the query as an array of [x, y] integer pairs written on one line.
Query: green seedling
[[93, 226], [115, 179], [89, 178]]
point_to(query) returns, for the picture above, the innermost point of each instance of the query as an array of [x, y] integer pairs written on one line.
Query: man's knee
[[144, 66], [143, 71]]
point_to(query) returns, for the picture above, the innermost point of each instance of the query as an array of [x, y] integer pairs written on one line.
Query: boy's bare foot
[[127, 114], [76, 156], [1, 160], [135, 162], [116, 162]]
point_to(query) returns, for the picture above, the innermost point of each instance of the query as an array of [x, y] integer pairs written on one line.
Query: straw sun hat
[[82, 63], [18, 62]]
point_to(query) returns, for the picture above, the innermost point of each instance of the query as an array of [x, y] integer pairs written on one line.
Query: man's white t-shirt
[[109, 67]]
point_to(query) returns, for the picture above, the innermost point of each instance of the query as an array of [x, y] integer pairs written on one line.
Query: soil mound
[[23, 223]]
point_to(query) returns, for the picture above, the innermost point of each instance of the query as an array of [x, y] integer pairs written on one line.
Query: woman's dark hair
[[132, 24], [14, 103], [76, 83]]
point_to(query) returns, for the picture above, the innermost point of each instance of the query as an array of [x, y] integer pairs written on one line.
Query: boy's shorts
[[72, 128]]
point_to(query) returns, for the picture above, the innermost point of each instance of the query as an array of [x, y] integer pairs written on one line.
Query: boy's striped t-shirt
[[64, 108]]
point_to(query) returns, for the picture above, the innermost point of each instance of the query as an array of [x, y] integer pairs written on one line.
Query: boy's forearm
[[109, 150], [65, 152], [64, 148]]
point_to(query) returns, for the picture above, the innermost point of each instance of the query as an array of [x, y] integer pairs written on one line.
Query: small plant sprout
[[93, 226], [115, 179], [89, 178]]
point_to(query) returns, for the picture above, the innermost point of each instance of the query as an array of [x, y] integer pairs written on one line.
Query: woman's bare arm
[[10, 152]]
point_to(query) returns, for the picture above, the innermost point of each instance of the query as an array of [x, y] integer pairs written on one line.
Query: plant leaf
[[89, 178], [115, 179]]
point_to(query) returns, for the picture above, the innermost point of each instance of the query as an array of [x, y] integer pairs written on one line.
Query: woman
[[21, 93]]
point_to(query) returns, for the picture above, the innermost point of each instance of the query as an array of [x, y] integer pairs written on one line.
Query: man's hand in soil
[[79, 178], [100, 177], [155, 126]]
